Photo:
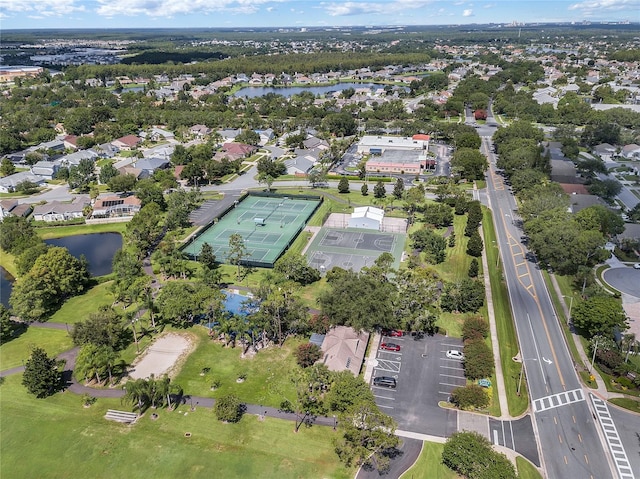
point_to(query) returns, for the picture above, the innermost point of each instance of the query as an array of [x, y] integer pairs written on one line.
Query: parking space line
[[388, 370], [395, 353], [454, 385], [452, 345], [451, 367], [445, 393], [384, 397], [386, 407], [452, 376]]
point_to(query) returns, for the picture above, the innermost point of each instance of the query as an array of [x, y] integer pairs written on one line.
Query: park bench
[[121, 416]]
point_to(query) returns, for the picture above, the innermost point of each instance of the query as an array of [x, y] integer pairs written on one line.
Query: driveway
[[624, 279], [424, 377]]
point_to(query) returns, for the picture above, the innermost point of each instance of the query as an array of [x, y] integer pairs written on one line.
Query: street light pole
[[593, 358], [570, 306], [521, 374]]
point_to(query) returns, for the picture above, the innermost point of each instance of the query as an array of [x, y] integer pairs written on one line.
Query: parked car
[[390, 347], [455, 354], [636, 266], [394, 333], [385, 382]]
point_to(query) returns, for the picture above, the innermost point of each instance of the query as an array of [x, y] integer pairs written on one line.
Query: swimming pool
[[235, 303]]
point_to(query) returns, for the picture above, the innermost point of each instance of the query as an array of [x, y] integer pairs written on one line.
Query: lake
[[98, 248], [6, 281], [287, 91]]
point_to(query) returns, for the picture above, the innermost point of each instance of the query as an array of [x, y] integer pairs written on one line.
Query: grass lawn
[[78, 308], [62, 231], [627, 403], [507, 338], [526, 470], [267, 380], [429, 464], [8, 262], [53, 341], [38, 433], [456, 265]]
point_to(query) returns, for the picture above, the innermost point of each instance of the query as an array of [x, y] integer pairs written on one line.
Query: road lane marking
[[557, 400], [613, 438], [535, 345]]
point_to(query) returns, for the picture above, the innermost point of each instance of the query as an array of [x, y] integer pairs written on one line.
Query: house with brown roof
[[343, 349], [238, 149], [128, 142]]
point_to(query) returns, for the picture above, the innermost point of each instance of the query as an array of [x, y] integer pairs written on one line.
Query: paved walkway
[[502, 395]]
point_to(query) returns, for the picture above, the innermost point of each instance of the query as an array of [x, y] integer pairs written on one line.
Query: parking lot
[[424, 376]]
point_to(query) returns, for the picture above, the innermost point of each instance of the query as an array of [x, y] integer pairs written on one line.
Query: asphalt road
[[566, 428]]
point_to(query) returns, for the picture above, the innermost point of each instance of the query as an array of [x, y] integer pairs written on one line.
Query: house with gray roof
[[299, 165], [148, 166], [58, 211], [73, 159], [46, 169], [8, 183]]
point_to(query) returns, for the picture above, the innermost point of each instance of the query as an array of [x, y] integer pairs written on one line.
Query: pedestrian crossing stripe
[[557, 400], [613, 439]]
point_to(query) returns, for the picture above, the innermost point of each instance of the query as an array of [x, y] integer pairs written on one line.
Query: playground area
[[352, 248], [267, 224]]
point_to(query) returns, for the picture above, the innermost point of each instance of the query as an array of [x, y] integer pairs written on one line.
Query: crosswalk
[[613, 439], [557, 400]]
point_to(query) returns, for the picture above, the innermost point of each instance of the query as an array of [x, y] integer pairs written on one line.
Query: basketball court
[[352, 248]]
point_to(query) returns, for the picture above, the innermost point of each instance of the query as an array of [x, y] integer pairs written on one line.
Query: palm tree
[[628, 342], [136, 392]]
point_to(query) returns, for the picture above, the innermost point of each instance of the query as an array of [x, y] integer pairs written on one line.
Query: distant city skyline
[[28, 14]]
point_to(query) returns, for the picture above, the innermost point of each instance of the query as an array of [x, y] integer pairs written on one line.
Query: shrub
[[478, 359], [228, 408], [475, 245], [475, 327], [473, 269], [610, 360], [471, 396], [470, 455], [307, 354]]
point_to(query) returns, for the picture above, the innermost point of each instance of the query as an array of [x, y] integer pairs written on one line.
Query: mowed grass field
[[267, 373], [14, 352], [58, 438], [78, 308]]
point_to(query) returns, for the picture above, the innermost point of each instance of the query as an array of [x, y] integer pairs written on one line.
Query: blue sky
[[22, 14]]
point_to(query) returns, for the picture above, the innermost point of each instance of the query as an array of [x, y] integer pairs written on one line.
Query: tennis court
[[352, 248], [267, 224]]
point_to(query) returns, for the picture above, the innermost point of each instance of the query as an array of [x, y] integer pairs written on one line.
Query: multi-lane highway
[[568, 434]]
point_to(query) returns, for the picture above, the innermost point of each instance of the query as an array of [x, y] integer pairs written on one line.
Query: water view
[[6, 281], [287, 91], [98, 248]]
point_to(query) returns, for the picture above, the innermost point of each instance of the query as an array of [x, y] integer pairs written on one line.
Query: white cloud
[[489, 5], [593, 6], [467, 13], [336, 9], [41, 8], [171, 8]]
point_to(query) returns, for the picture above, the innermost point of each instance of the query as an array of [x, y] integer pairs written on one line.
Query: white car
[[455, 354], [636, 266]]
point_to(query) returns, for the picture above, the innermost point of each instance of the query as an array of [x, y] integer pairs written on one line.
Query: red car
[[394, 333], [390, 347]]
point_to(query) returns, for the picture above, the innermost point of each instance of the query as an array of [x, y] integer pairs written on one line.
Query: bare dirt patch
[[164, 356]]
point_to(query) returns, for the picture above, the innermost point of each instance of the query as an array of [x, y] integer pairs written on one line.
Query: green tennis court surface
[[352, 248], [267, 224]]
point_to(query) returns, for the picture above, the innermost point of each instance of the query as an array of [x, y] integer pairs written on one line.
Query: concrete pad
[[473, 422]]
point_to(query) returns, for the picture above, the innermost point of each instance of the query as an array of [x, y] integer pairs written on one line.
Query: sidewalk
[[502, 395], [601, 391]]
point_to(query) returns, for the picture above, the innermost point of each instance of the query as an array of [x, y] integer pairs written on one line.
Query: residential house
[[229, 134], [148, 166], [299, 166], [6, 206], [45, 169], [164, 150], [631, 152], [8, 183], [115, 206], [343, 349], [71, 142], [106, 150], [239, 149], [58, 211], [200, 131], [313, 142], [265, 135], [127, 143], [605, 151], [53, 145], [159, 134], [73, 159]]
